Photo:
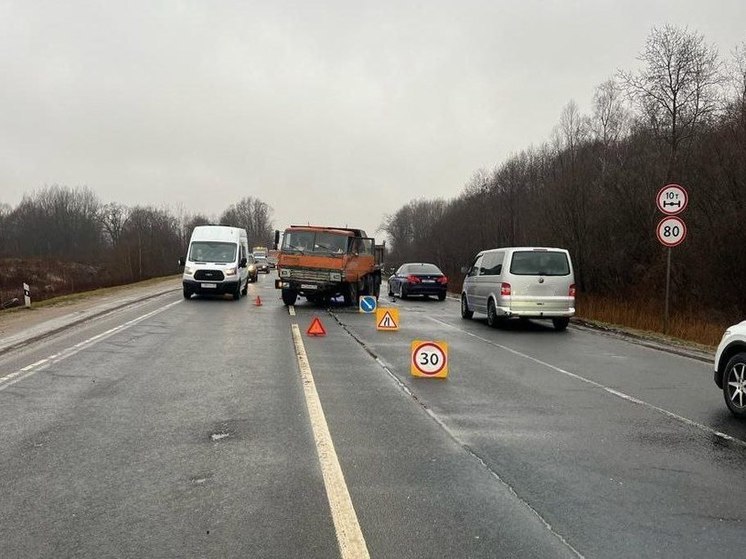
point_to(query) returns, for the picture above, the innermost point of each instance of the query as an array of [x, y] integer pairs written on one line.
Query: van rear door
[[540, 281]]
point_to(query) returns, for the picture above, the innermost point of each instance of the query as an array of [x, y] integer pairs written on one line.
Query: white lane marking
[[607, 389], [29, 370], [349, 535], [291, 310]]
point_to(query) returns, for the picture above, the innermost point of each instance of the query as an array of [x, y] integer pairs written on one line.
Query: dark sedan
[[418, 279]]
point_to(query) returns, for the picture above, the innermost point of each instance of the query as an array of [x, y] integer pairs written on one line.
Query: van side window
[[492, 265], [476, 267]]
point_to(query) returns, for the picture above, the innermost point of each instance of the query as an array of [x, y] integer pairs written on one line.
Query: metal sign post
[[672, 199]]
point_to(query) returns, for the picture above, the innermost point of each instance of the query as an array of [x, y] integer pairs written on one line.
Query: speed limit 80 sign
[[429, 359], [671, 231]]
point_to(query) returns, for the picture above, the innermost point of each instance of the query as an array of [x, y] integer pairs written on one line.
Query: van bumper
[[214, 287], [536, 313]]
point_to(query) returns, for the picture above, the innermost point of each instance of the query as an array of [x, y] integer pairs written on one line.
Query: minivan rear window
[[539, 263]]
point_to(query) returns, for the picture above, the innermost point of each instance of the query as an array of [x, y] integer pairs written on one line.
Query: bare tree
[[678, 86], [253, 215], [609, 113], [113, 218]]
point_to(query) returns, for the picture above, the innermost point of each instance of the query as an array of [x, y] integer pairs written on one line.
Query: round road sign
[[672, 199], [671, 231], [429, 358]]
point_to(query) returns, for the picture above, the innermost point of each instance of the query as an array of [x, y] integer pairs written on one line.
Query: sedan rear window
[[420, 269], [539, 263]]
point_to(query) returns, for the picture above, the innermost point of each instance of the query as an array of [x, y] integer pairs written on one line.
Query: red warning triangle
[[316, 328]]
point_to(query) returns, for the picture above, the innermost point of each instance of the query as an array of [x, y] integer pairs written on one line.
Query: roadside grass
[[647, 316], [83, 295]]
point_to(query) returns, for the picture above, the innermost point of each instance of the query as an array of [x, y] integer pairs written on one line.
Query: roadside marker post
[[316, 328], [27, 295], [429, 359], [387, 320]]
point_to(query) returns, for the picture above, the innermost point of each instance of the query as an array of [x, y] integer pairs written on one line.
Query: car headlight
[[230, 272], [335, 276], [188, 270], [252, 267]]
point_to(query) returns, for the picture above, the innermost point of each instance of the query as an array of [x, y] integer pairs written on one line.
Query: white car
[[730, 368]]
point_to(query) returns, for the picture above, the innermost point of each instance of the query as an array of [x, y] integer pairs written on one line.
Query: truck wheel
[[289, 296], [350, 294]]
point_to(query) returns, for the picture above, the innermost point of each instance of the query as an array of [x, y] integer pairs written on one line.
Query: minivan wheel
[[237, 293], [187, 293], [465, 312], [734, 385], [492, 319], [560, 324]]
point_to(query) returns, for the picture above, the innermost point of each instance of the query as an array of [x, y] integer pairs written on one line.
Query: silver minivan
[[524, 282]]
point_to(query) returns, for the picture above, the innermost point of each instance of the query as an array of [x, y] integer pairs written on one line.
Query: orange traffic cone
[[258, 301]]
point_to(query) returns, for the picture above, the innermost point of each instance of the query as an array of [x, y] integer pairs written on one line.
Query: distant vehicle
[[217, 261], [253, 270], [320, 263], [418, 279], [524, 282], [730, 368], [259, 252], [262, 264]]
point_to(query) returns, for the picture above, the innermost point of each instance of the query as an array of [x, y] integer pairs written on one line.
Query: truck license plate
[[208, 285], [308, 286]]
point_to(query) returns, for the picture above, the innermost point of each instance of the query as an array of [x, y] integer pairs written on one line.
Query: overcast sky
[[333, 112]]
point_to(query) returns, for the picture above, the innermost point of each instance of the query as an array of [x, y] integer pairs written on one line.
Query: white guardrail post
[[27, 295]]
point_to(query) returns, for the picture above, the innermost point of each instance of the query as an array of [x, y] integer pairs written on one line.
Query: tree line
[[680, 118], [61, 226]]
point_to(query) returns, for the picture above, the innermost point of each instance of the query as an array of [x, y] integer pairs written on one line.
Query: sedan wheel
[[734, 384]]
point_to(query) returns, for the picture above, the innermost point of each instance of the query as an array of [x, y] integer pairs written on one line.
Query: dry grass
[[647, 316]]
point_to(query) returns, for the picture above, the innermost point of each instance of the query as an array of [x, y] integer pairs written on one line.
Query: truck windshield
[[211, 251], [314, 242]]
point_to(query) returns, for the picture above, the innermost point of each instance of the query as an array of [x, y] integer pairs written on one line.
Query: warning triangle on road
[[388, 321], [316, 328]]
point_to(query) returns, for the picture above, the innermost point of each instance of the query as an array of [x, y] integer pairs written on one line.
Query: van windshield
[[539, 263], [212, 251]]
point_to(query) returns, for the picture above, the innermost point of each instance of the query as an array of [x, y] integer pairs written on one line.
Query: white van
[[525, 282], [217, 261]]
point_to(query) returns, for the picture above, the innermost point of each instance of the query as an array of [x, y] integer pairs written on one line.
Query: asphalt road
[[205, 428]]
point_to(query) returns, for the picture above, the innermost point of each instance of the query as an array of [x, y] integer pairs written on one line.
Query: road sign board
[[429, 359], [671, 231], [387, 319], [672, 199], [367, 304]]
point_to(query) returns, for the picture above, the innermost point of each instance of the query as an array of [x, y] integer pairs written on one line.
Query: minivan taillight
[[443, 279], [504, 289], [572, 290], [413, 279]]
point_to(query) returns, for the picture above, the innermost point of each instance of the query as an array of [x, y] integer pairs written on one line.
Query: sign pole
[[668, 284]]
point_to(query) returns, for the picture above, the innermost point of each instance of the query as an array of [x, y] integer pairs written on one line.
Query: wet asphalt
[[185, 433]]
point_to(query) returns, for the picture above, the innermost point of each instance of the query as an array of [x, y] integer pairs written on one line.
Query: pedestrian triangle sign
[[387, 319], [316, 328]]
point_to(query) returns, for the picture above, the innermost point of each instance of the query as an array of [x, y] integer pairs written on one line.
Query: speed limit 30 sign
[[671, 231], [429, 359]]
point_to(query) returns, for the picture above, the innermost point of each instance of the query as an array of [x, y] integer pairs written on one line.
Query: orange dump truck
[[319, 263]]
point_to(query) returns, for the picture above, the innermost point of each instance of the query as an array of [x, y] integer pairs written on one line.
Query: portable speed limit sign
[[429, 359], [671, 231]]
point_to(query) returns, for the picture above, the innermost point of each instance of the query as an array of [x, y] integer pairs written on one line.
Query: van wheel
[[492, 319], [289, 296], [187, 293], [734, 384], [465, 312], [245, 289], [560, 324], [237, 293]]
